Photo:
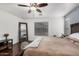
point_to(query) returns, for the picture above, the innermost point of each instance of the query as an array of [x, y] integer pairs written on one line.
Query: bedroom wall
[[9, 24], [71, 18], [56, 26], [31, 26], [74, 16]]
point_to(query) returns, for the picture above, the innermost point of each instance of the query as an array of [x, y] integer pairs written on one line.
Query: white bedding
[[53, 46], [35, 43], [74, 36]]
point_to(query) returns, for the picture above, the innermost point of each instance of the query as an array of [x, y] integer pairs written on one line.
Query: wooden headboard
[[74, 27]]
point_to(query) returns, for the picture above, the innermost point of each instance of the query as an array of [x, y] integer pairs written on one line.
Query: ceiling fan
[[34, 6]]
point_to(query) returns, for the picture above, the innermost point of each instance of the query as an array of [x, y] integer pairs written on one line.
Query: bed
[[53, 46]]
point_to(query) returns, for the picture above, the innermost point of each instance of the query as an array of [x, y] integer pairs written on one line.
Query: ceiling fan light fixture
[[33, 8]]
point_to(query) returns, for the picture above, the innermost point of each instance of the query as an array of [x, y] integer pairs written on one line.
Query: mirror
[[23, 32]]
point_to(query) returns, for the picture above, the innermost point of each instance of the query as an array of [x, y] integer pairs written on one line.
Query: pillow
[[74, 36]]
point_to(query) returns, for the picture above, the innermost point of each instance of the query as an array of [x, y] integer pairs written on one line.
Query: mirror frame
[[19, 33]]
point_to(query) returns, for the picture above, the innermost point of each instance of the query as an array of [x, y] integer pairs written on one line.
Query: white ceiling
[[53, 9]]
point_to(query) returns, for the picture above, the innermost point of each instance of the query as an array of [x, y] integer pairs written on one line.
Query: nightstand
[[15, 51], [2, 45], [6, 47], [10, 43]]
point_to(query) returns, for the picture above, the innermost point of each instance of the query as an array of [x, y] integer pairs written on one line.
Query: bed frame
[[74, 27]]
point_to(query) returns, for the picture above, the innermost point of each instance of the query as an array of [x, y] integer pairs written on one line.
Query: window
[[41, 28]]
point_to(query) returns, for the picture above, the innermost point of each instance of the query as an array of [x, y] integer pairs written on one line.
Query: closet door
[[23, 32]]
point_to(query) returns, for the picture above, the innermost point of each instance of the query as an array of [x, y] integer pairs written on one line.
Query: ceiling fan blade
[[42, 5], [29, 11], [38, 10], [23, 5]]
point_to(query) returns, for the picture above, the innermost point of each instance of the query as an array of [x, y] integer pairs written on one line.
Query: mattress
[[52, 46]]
